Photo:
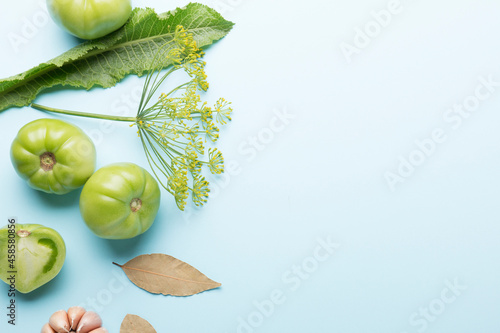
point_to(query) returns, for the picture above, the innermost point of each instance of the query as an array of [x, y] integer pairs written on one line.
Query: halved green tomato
[[31, 255]]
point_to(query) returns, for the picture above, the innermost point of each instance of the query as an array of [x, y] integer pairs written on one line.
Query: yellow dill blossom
[[178, 186], [216, 161], [211, 132], [171, 129], [194, 166], [197, 144], [206, 115], [223, 111], [200, 190]]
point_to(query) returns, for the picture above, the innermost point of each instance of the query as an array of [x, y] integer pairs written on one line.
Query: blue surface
[[313, 140]]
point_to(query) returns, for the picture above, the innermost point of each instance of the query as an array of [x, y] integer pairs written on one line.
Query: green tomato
[[53, 156], [31, 255], [120, 201], [89, 19]]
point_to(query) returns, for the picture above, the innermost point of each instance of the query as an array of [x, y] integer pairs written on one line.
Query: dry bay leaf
[[163, 274], [135, 324]]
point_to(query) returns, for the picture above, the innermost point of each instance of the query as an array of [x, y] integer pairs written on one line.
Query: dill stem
[[83, 114]]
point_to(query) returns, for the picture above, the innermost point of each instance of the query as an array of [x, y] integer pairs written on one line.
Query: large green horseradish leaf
[[129, 50]]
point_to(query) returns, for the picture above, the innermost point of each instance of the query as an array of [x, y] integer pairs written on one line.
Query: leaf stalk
[[83, 114]]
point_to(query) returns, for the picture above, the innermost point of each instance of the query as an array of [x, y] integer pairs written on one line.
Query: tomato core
[[23, 233]]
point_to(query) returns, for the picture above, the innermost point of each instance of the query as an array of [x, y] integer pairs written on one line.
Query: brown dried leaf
[[163, 274], [135, 324]]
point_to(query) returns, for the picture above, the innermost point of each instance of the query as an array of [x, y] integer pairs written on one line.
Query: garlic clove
[[100, 330], [75, 313], [90, 321], [59, 322], [47, 329]]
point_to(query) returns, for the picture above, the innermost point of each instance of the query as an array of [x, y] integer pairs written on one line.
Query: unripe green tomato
[[89, 19], [53, 156], [31, 255], [120, 201]]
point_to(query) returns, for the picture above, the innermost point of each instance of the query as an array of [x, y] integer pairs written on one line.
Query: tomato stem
[[135, 204], [47, 161], [83, 114]]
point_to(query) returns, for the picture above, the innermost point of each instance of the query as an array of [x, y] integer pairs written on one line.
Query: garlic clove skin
[[59, 322], [47, 329], [90, 321], [100, 330], [75, 313]]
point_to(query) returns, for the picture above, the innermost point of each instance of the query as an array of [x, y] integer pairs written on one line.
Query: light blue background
[[318, 175]]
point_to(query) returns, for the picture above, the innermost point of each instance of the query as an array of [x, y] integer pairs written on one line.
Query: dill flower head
[[174, 128]]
